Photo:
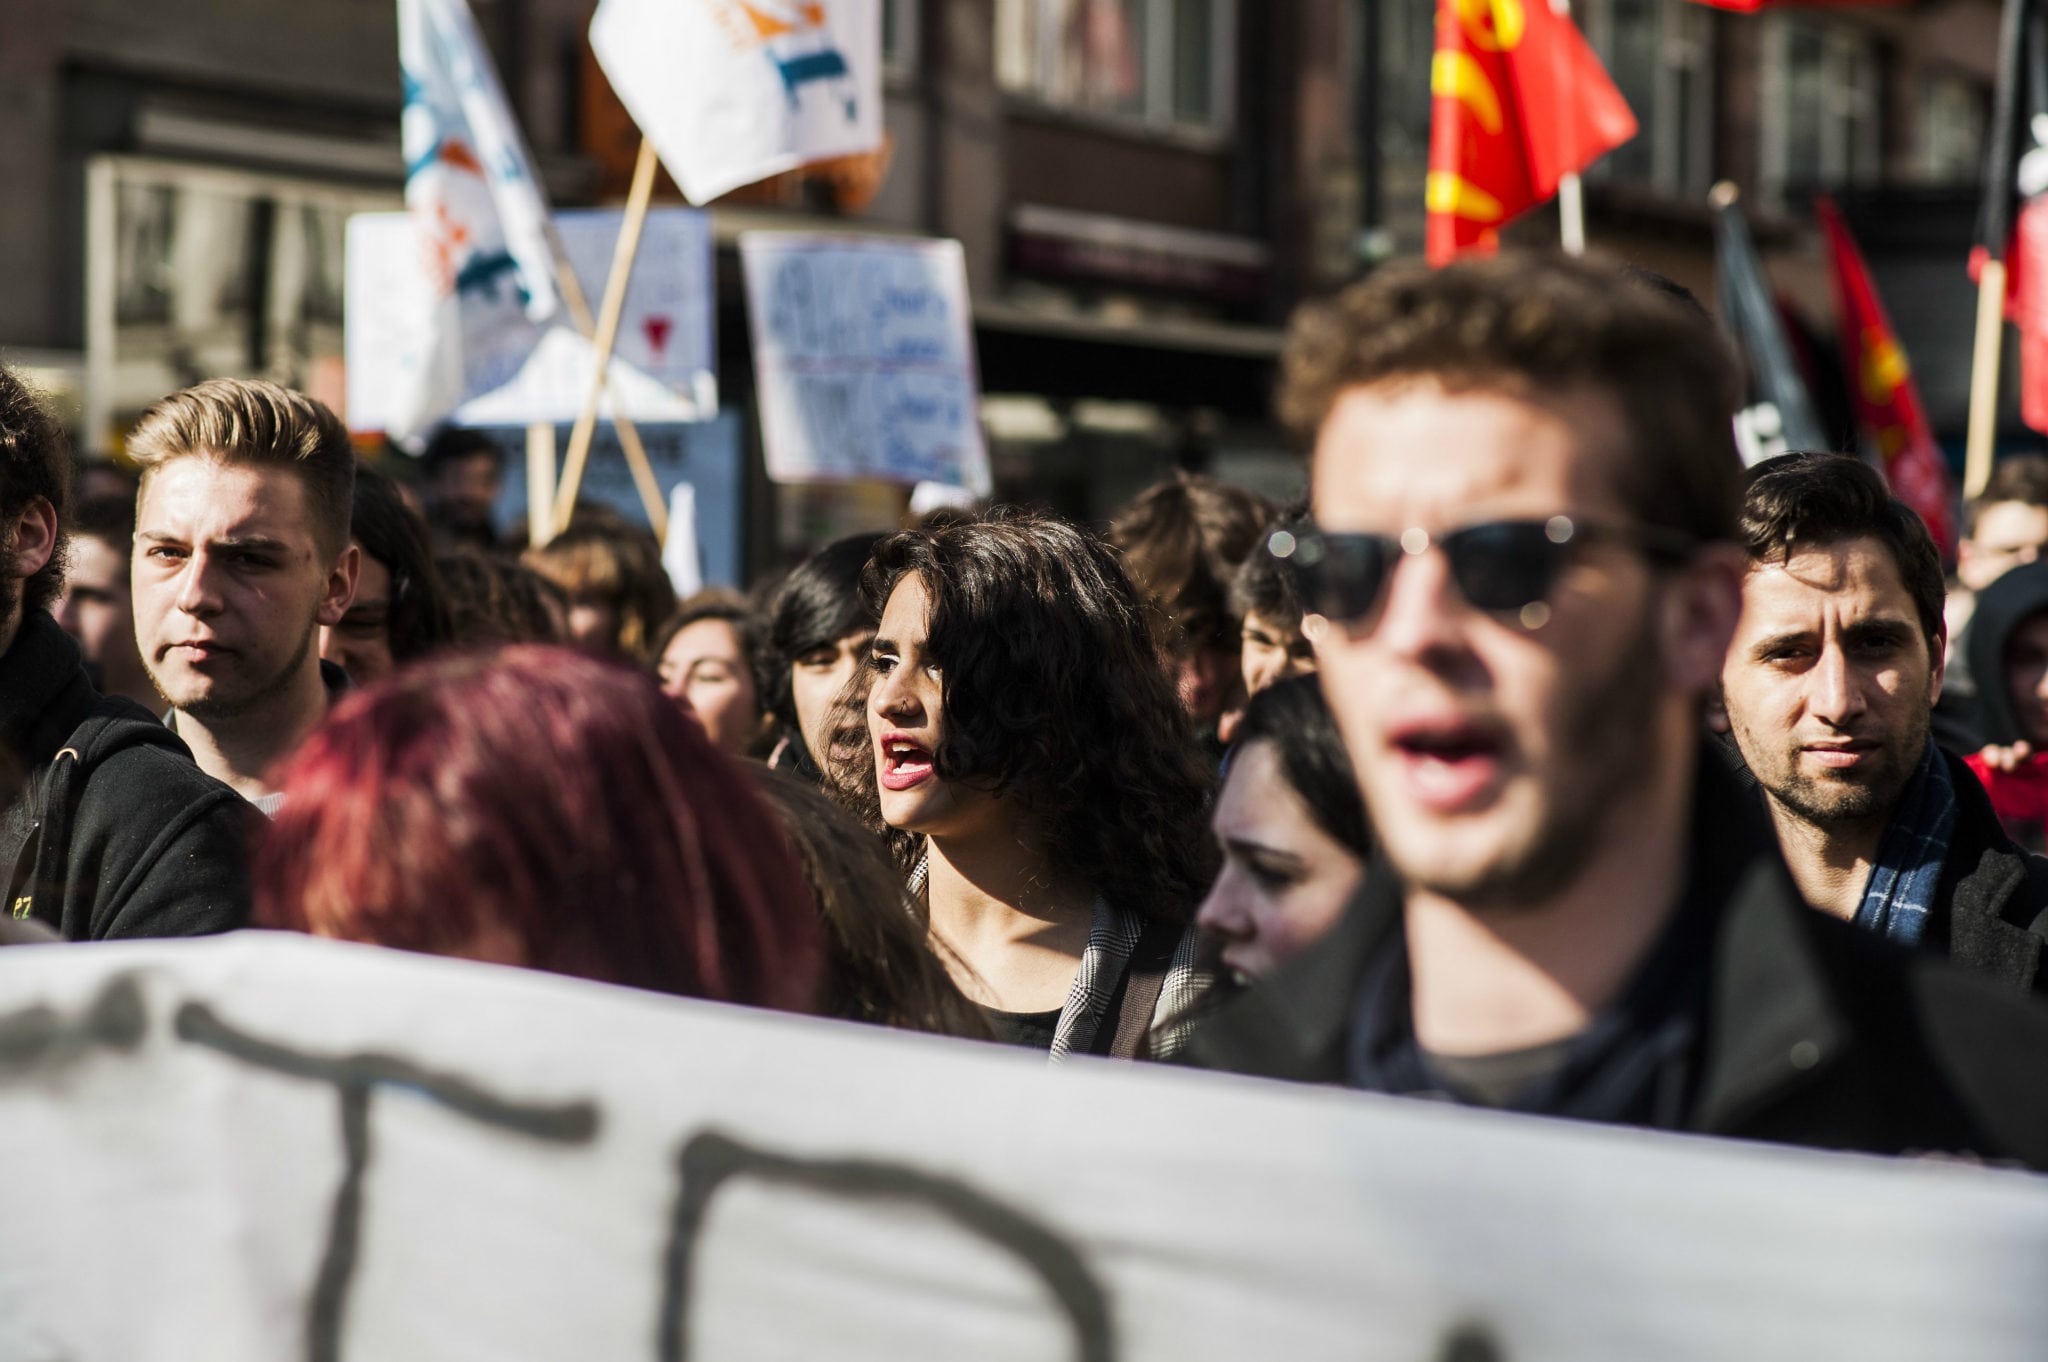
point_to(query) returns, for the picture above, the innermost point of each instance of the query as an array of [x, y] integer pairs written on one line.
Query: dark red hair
[[548, 808]]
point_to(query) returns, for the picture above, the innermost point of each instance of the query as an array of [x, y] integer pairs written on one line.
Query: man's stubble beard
[[1828, 804], [209, 710], [1608, 739]]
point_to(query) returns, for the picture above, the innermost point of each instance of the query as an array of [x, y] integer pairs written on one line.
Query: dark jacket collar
[[44, 692], [1771, 1015]]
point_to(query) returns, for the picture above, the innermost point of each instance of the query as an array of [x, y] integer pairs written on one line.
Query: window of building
[[1167, 63], [1660, 55], [1821, 105], [1950, 146]]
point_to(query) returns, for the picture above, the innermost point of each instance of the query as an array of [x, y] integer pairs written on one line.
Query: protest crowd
[[1546, 760], [1591, 756]]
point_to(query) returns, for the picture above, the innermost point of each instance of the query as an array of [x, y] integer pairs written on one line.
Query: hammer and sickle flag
[[1519, 101]]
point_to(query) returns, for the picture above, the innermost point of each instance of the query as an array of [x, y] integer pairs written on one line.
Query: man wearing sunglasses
[[1830, 690], [1525, 497]]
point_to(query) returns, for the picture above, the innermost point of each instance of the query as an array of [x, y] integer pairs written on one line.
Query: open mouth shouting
[[1449, 765], [902, 762]]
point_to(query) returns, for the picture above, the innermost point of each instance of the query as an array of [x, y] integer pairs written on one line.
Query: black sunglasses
[[1504, 567]]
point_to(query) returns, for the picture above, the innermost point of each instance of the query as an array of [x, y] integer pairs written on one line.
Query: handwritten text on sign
[[864, 356], [268, 1147]]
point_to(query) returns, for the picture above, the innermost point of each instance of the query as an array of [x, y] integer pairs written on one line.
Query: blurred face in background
[[2008, 534], [1273, 651], [465, 490], [705, 669], [1284, 881], [97, 610], [361, 644], [817, 681]]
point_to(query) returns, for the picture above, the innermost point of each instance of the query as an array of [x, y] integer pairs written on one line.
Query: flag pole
[[1571, 200], [1993, 228], [623, 254], [540, 483], [649, 486], [1984, 366]]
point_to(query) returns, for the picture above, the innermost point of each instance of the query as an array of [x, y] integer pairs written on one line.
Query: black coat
[[111, 830], [1816, 1032], [1990, 911]]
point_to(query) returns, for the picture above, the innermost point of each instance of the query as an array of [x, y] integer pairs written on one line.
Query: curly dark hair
[[1055, 696], [35, 465]]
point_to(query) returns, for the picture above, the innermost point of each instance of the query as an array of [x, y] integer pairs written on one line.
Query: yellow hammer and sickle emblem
[[1493, 25]]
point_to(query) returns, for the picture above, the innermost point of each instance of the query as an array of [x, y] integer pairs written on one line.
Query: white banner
[[733, 91], [269, 1147], [663, 366], [478, 214], [864, 359]]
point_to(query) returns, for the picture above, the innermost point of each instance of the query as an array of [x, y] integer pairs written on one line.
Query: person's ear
[[338, 592], [35, 539]]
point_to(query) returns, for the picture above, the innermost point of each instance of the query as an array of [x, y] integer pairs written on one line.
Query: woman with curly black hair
[[1039, 780]]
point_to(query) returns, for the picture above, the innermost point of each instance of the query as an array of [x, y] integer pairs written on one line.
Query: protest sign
[[733, 91], [663, 366], [707, 457], [478, 219], [864, 359], [266, 1147]]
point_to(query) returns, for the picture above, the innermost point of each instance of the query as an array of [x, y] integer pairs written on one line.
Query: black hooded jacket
[[110, 830], [1809, 1031], [2001, 608]]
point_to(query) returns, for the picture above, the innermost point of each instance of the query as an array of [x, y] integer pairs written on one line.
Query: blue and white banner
[[478, 208], [733, 91]]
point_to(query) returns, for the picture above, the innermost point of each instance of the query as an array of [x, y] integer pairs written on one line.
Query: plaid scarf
[[1900, 893]]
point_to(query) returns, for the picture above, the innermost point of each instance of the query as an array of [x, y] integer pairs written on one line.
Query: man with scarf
[[1830, 687]]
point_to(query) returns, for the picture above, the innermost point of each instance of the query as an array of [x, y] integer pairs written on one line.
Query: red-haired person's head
[[543, 808]]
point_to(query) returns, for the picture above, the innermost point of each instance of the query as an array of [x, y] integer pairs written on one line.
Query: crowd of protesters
[[1545, 759]]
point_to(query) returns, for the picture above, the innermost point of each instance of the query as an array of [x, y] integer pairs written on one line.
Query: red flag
[[1881, 386], [1519, 102]]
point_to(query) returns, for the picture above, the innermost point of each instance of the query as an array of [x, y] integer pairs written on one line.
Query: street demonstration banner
[[864, 359], [663, 366], [268, 1147]]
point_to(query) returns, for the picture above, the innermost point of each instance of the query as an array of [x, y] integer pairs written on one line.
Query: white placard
[[864, 359], [550, 1169], [663, 365], [733, 91]]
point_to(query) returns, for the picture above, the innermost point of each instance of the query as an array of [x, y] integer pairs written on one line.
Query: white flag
[[733, 91], [472, 193]]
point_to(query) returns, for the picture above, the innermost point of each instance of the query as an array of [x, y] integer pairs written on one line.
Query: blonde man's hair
[[254, 421]]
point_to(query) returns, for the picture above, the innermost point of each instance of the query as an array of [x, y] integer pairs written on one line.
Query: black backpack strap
[[36, 884], [1127, 1020]]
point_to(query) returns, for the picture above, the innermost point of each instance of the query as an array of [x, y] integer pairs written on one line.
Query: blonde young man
[[242, 553]]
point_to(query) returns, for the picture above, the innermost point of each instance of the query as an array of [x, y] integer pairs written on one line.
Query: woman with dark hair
[[704, 658], [494, 602], [817, 637], [1293, 831], [878, 965], [543, 808], [400, 612], [1036, 774]]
